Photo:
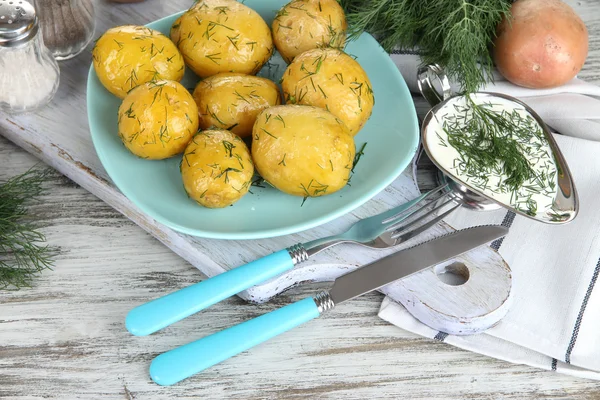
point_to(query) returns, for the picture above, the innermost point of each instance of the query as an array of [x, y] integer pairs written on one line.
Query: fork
[[380, 231]]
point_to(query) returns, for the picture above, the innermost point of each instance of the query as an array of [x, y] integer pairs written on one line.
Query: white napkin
[[554, 322]]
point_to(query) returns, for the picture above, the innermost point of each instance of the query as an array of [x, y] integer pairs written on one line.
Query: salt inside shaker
[[29, 75]]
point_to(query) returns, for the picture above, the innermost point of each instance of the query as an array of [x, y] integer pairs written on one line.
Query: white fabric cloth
[[554, 322]]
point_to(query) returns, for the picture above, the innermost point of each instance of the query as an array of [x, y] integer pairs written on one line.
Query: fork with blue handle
[[380, 231]]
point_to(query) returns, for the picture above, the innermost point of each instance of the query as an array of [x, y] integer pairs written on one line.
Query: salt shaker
[[29, 74], [67, 25]]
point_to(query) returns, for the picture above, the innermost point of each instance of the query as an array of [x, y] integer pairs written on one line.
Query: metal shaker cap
[[18, 22]]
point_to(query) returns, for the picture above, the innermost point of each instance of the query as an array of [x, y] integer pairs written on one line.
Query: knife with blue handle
[[185, 361], [164, 311]]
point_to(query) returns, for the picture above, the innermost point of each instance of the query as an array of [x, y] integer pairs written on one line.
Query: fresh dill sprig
[[22, 253], [358, 155], [456, 34]]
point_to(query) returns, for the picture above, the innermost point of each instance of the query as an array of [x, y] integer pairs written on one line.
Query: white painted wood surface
[[69, 149], [65, 338]]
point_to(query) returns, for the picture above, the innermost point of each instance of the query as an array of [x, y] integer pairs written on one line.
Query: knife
[[180, 363]]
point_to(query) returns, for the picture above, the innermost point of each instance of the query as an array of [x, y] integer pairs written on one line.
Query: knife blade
[[406, 262], [180, 363]]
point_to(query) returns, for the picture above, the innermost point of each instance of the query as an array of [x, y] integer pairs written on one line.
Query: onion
[[543, 45]]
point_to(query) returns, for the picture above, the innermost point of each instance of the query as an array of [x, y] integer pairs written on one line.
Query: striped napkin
[[554, 322]]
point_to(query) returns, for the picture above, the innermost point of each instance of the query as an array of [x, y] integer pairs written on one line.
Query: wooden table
[[65, 337]]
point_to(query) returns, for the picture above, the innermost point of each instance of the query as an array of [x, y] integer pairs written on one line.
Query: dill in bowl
[[497, 148]]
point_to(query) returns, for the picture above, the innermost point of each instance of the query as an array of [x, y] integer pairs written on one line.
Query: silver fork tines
[[406, 212], [398, 224], [399, 237], [380, 231]]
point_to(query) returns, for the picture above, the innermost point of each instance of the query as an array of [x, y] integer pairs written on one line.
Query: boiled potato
[[174, 32], [232, 101], [216, 168], [223, 36], [303, 25], [330, 79], [127, 56], [302, 150], [157, 119]]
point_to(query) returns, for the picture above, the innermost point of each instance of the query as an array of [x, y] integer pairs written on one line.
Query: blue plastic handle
[[164, 311], [185, 361]]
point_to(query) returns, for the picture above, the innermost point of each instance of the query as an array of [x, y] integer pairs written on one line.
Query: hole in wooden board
[[453, 274]]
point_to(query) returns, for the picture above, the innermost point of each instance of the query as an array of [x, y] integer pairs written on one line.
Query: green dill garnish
[[455, 34], [210, 28], [155, 75], [226, 173], [356, 88], [234, 40], [213, 115], [241, 97], [228, 147], [315, 186], [185, 156], [159, 89], [22, 253], [324, 95], [129, 112], [279, 118], [303, 200], [258, 182], [213, 57], [358, 156], [268, 133], [133, 79], [239, 158], [282, 162], [318, 61], [500, 145], [279, 26]]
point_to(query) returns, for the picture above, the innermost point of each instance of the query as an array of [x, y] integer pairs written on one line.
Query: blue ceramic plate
[[391, 135]]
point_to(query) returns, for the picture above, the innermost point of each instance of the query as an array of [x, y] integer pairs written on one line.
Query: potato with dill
[[303, 25], [330, 79], [216, 168], [302, 150], [157, 119], [127, 56], [223, 36], [233, 101], [174, 32]]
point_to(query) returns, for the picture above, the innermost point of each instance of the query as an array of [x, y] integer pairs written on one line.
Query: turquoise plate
[[391, 135]]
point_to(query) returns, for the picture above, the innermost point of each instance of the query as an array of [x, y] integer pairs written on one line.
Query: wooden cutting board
[[59, 136]]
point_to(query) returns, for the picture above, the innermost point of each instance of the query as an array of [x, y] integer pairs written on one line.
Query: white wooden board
[[59, 135]]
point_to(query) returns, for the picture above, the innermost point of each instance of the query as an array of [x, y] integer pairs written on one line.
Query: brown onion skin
[[544, 45]]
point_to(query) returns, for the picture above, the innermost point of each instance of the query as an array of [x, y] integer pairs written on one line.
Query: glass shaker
[[29, 74], [67, 25]]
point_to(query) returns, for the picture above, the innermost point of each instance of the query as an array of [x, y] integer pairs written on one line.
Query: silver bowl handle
[[425, 77]]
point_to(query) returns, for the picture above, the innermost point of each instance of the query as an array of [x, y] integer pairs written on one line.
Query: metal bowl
[[566, 203]]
